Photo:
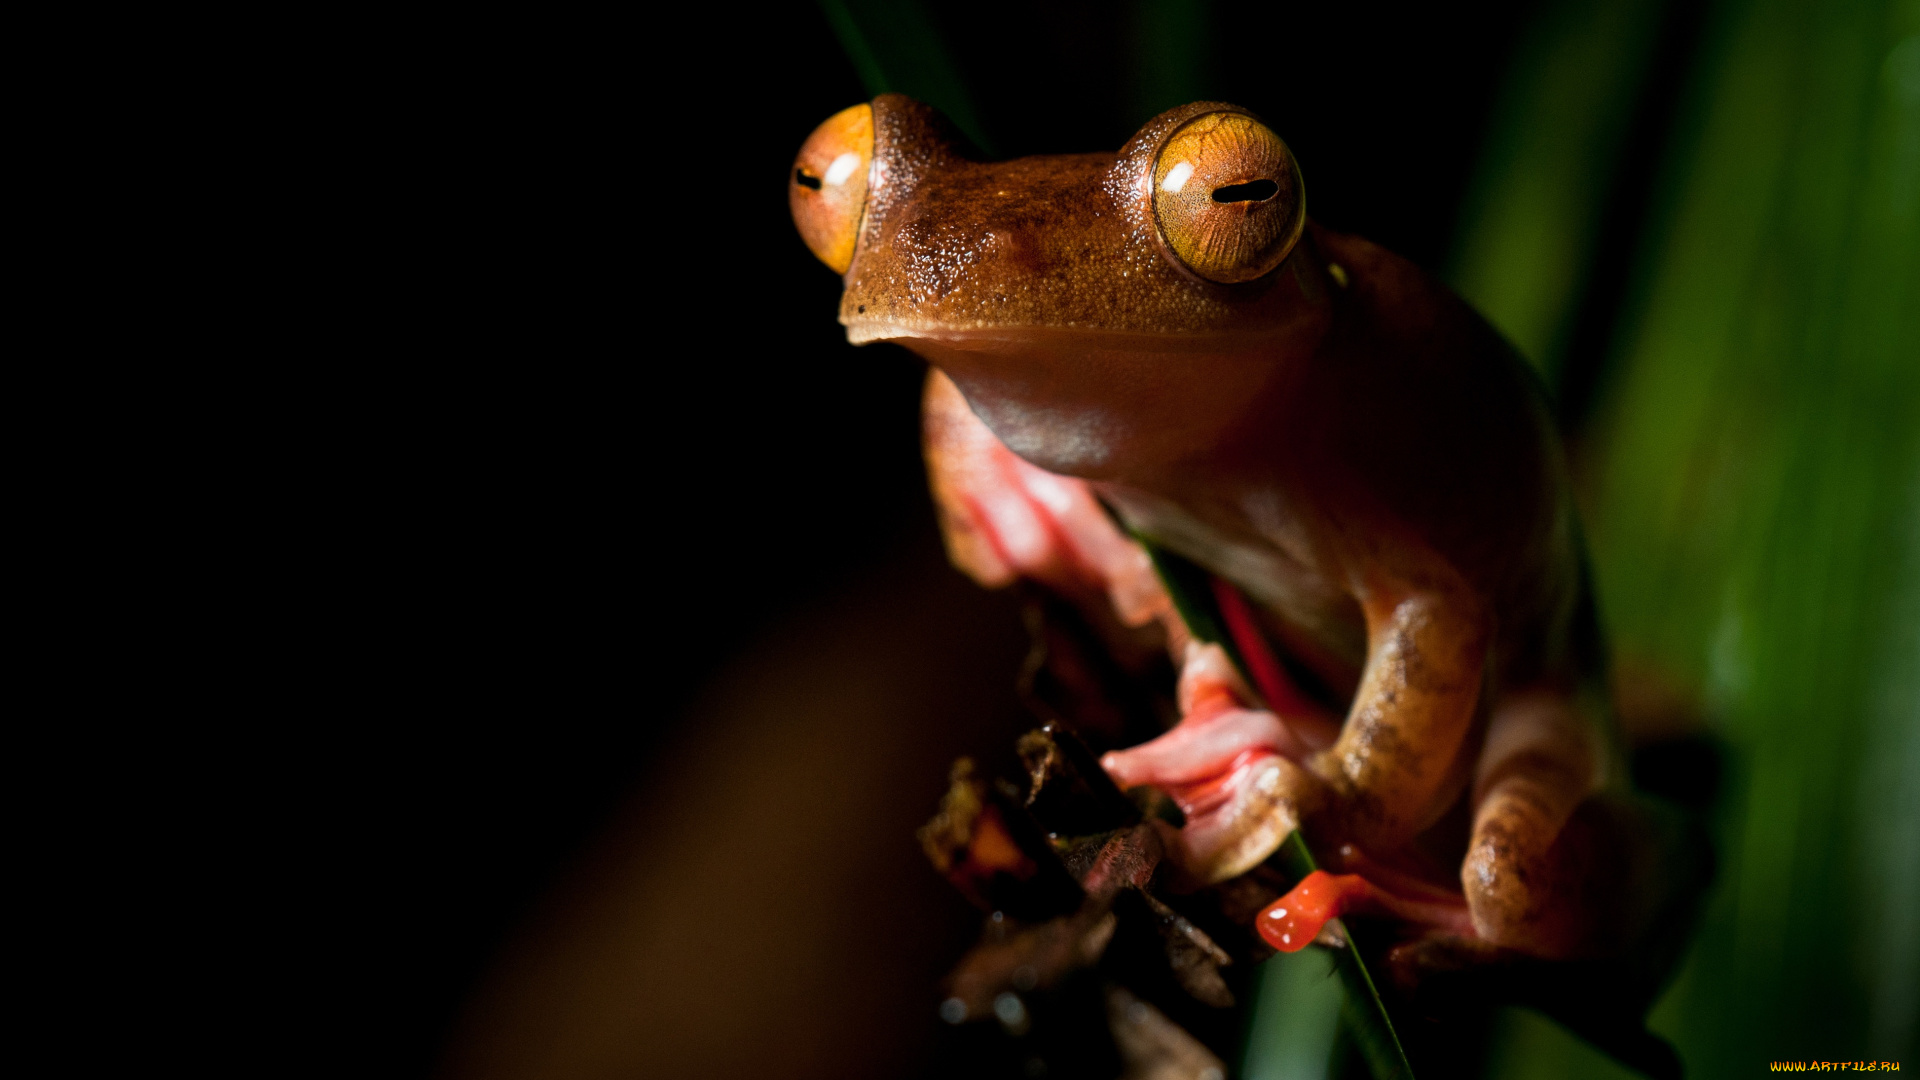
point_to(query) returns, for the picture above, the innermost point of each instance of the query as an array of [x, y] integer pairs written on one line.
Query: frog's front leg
[[1394, 766], [1399, 752], [1003, 520]]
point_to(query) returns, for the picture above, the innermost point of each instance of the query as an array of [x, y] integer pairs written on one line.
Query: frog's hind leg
[[1537, 844], [1566, 861]]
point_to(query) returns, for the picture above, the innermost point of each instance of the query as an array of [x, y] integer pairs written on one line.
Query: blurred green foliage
[[1531, 225], [896, 49], [1754, 477], [1296, 1016]]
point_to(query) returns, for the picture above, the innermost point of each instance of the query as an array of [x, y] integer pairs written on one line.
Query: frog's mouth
[[1055, 340], [1003, 294]]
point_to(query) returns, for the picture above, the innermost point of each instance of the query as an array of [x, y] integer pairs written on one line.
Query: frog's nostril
[[1251, 191], [808, 180]]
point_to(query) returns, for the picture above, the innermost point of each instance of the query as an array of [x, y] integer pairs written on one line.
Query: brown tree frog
[[1161, 336]]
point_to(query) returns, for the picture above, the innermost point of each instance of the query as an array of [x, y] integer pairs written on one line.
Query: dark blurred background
[[625, 640]]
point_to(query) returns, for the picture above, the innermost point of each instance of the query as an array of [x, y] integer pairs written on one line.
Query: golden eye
[[827, 189], [1227, 197]]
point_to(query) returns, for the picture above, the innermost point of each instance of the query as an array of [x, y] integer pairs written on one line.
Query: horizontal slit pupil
[[801, 177], [1251, 191]]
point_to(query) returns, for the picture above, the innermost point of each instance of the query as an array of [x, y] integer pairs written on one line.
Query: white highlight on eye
[[842, 168], [1277, 913], [1176, 177]]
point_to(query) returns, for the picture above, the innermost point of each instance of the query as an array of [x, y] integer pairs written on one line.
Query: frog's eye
[[1227, 197], [828, 186]]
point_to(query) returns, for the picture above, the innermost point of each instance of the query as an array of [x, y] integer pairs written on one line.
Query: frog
[[1159, 347]]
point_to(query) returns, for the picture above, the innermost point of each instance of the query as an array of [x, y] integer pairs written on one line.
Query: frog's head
[[1082, 302]]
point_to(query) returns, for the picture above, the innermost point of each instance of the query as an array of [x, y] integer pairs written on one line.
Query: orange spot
[[1293, 921]]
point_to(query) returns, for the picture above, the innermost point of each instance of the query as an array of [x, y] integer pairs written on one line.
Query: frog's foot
[[1004, 519], [1300, 917], [1229, 768]]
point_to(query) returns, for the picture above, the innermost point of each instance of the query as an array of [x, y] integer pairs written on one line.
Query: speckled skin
[[1062, 241], [1355, 449]]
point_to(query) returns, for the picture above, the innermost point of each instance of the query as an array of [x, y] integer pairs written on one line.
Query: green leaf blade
[[1366, 1016]]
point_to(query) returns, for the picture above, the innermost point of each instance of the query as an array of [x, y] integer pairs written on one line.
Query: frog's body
[[1331, 431]]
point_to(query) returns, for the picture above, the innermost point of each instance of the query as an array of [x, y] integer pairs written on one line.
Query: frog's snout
[[827, 187]]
